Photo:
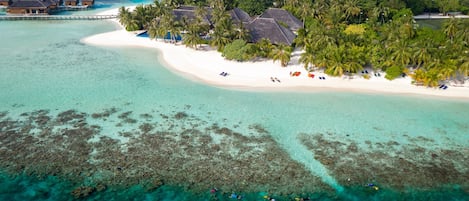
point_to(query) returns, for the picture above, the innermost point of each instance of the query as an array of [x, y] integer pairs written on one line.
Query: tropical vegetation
[[339, 37]]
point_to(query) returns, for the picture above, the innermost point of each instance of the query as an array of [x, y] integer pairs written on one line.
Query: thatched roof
[[270, 29], [238, 16], [189, 13], [283, 17], [31, 4]]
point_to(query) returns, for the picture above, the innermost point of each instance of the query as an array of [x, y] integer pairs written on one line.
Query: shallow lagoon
[[94, 123]]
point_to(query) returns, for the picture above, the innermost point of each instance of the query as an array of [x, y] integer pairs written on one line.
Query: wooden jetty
[[57, 17]]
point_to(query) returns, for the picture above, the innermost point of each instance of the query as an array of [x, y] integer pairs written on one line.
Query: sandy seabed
[[206, 65]]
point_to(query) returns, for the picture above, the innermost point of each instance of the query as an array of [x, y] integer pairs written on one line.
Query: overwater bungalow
[[30, 7], [284, 17], [270, 29], [5, 3], [87, 2], [71, 2]]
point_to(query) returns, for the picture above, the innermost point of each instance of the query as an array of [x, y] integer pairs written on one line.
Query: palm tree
[[242, 32], [124, 15], [192, 38], [222, 33], [305, 10], [401, 52], [174, 30], [448, 70], [219, 40], [201, 13], [381, 12], [319, 8], [160, 9], [140, 16], [153, 29], [351, 9], [282, 53], [422, 51], [451, 28], [463, 69], [265, 48], [307, 58], [463, 32], [171, 26]]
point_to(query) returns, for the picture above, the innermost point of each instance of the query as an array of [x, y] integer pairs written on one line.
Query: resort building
[[5, 3], [270, 29], [276, 25], [40, 7], [71, 2], [27, 7], [87, 2], [189, 13], [239, 16], [284, 17]]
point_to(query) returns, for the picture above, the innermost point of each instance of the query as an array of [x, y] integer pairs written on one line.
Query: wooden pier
[[57, 17]]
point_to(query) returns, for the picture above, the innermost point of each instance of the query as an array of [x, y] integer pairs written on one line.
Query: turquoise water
[[85, 122]]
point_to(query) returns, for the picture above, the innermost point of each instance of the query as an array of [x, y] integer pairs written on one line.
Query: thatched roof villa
[[189, 12], [269, 28], [276, 25], [283, 17], [239, 16]]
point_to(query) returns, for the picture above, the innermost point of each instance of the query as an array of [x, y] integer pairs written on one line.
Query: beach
[[206, 65]]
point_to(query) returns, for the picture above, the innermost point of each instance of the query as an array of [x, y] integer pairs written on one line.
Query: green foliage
[[393, 72], [282, 53], [254, 7], [355, 29], [237, 50]]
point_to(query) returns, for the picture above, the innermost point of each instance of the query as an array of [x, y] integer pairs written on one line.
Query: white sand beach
[[206, 66]]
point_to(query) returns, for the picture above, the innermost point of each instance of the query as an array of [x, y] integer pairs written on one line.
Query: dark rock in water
[[106, 113], [69, 115], [146, 127], [180, 115], [155, 184], [125, 115], [100, 187], [83, 192]]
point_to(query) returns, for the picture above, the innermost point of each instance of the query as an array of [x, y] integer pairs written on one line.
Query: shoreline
[[205, 65]]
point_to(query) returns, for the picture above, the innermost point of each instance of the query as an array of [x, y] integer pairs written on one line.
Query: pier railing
[[57, 17]]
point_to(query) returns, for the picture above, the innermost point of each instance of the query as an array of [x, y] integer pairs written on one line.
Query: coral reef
[[390, 164], [176, 149]]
